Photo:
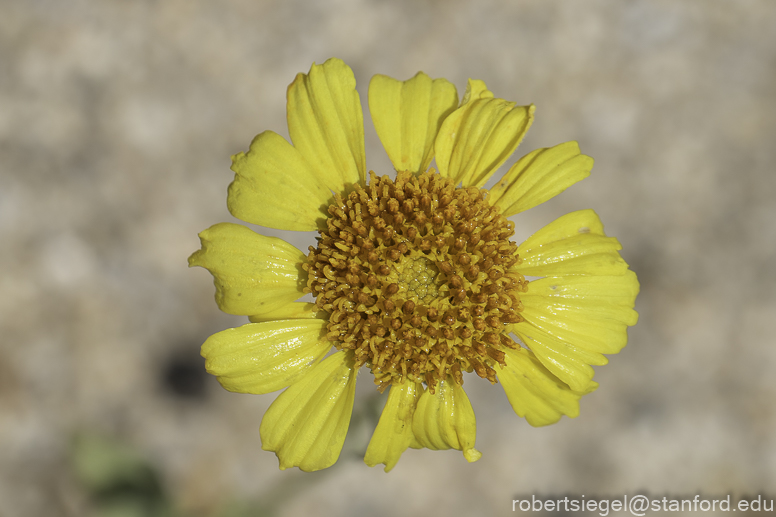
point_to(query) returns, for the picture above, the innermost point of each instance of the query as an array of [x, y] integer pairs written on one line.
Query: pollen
[[417, 278]]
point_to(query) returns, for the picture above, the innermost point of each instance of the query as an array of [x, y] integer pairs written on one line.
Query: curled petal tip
[[472, 455]]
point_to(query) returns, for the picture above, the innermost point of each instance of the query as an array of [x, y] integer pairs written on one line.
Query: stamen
[[416, 277]]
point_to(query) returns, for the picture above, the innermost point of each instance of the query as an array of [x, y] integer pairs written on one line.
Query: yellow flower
[[415, 277]]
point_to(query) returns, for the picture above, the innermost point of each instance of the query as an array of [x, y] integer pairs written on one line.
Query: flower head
[[414, 277]]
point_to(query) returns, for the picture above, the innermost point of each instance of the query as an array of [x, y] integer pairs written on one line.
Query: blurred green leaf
[[120, 481]]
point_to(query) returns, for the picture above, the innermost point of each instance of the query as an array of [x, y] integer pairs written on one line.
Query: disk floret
[[417, 278]]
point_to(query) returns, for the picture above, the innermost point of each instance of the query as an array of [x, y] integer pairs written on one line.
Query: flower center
[[417, 279]]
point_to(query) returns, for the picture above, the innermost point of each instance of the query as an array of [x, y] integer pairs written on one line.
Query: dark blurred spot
[[642, 408], [183, 375]]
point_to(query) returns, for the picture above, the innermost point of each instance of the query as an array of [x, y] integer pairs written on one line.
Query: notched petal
[[393, 434], [265, 357], [407, 116], [306, 425], [533, 391], [571, 364], [253, 274], [593, 312], [445, 420], [480, 135], [326, 123], [574, 244], [274, 186], [539, 176]]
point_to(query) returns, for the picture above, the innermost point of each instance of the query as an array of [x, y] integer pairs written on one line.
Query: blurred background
[[117, 122]]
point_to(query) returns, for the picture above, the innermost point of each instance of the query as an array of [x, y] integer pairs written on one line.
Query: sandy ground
[[117, 121]]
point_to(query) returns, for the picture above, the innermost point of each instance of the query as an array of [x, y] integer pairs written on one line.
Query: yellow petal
[[534, 392], [275, 187], [264, 357], [593, 312], [445, 420], [253, 274], [480, 135], [475, 89], [292, 311], [407, 116], [590, 293], [306, 425], [569, 363], [574, 244], [326, 123], [539, 176], [393, 433]]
